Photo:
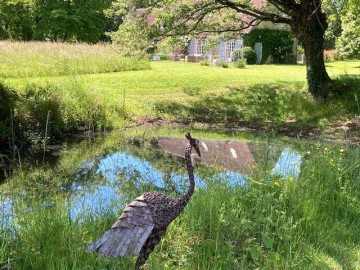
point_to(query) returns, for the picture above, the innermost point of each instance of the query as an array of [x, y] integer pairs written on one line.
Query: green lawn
[[265, 96]]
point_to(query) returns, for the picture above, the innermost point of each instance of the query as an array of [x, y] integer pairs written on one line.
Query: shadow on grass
[[261, 106], [349, 93], [283, 107]]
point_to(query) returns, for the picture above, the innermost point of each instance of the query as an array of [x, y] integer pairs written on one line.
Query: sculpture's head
[[194, 143]]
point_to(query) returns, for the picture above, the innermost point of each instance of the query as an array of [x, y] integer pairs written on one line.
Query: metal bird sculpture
[[144, 221]]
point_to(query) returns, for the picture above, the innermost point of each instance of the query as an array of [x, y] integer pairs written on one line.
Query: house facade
[[198, 49]]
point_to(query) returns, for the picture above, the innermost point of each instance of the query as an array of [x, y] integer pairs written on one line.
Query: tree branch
[[256, 13]]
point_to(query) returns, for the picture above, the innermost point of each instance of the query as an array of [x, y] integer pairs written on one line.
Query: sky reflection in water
[[105, 195], [87, 200]]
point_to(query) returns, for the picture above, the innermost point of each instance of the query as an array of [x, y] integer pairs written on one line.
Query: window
[[228, 49], [199, 46]]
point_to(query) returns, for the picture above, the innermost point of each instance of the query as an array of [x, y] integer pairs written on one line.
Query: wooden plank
[[127, 242], [143, 238], [134, 241]]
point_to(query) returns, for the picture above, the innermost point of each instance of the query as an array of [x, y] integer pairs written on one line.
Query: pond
[[104, 174]]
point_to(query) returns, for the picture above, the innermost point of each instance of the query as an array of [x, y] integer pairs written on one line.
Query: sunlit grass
[[261, 96], [310, 222], [40, 59]]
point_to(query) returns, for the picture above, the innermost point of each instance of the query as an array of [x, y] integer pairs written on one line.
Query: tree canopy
[[348, 44], [168, 18], [55, 20]]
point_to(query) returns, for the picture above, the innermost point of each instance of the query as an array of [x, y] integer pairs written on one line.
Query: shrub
[[204, 63], [240, 63], [249, 55], [8, 98], [348, 44], [236, 55], [164, 56], [275, 42], [221, 63], [224, 64]]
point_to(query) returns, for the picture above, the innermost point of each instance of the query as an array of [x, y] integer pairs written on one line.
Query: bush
[[276, 43], [223, 64], [204, 63], [8, 98], [249, 55], [348, 44], [164, 56], [240, 63], [236, 55]]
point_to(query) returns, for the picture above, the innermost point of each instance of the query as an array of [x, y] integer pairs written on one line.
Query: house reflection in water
[[232, 156], [240, 157]]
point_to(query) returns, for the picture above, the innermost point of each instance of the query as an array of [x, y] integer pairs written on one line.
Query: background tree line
[[92, 20], [57, 20]]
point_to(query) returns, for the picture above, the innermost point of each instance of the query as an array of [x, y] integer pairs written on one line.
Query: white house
[[198, 50]]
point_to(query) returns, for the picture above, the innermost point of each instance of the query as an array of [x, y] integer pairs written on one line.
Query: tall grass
[[311, 222], [39, 59]]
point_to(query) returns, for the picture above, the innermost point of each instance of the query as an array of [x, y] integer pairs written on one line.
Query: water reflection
[[120, 168], [288, 163]]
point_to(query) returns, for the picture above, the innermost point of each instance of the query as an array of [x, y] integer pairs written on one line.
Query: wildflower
[[291, 179], [342, 150], [276, 183]]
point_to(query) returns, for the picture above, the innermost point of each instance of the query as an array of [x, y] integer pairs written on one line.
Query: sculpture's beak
[[197, 149]]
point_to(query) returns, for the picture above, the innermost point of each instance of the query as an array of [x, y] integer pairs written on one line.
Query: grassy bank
[[310, 222], [272, 97]]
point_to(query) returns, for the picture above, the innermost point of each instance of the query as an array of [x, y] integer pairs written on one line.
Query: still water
[[105, 174]]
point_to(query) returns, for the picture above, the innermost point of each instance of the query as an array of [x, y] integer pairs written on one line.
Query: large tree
[[182, 17]]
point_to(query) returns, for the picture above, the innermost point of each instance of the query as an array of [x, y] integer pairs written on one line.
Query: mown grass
[[311, 222], [272, 97], [268, 96]]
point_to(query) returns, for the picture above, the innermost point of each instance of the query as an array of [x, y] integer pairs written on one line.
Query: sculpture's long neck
[[185, 199]]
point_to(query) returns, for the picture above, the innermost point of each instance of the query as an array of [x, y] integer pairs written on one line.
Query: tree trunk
[[310, 31], [319, 82]]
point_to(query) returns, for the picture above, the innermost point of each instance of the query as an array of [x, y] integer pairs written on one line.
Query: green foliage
[[348, 45], [145, 94], [164, 57], [222, 63], [273, 222], [70, 20], [8, 99], [205, 63], [333, 10], [249, 55], [276, 43], [236, 55], [240, 63], [65, 108]]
